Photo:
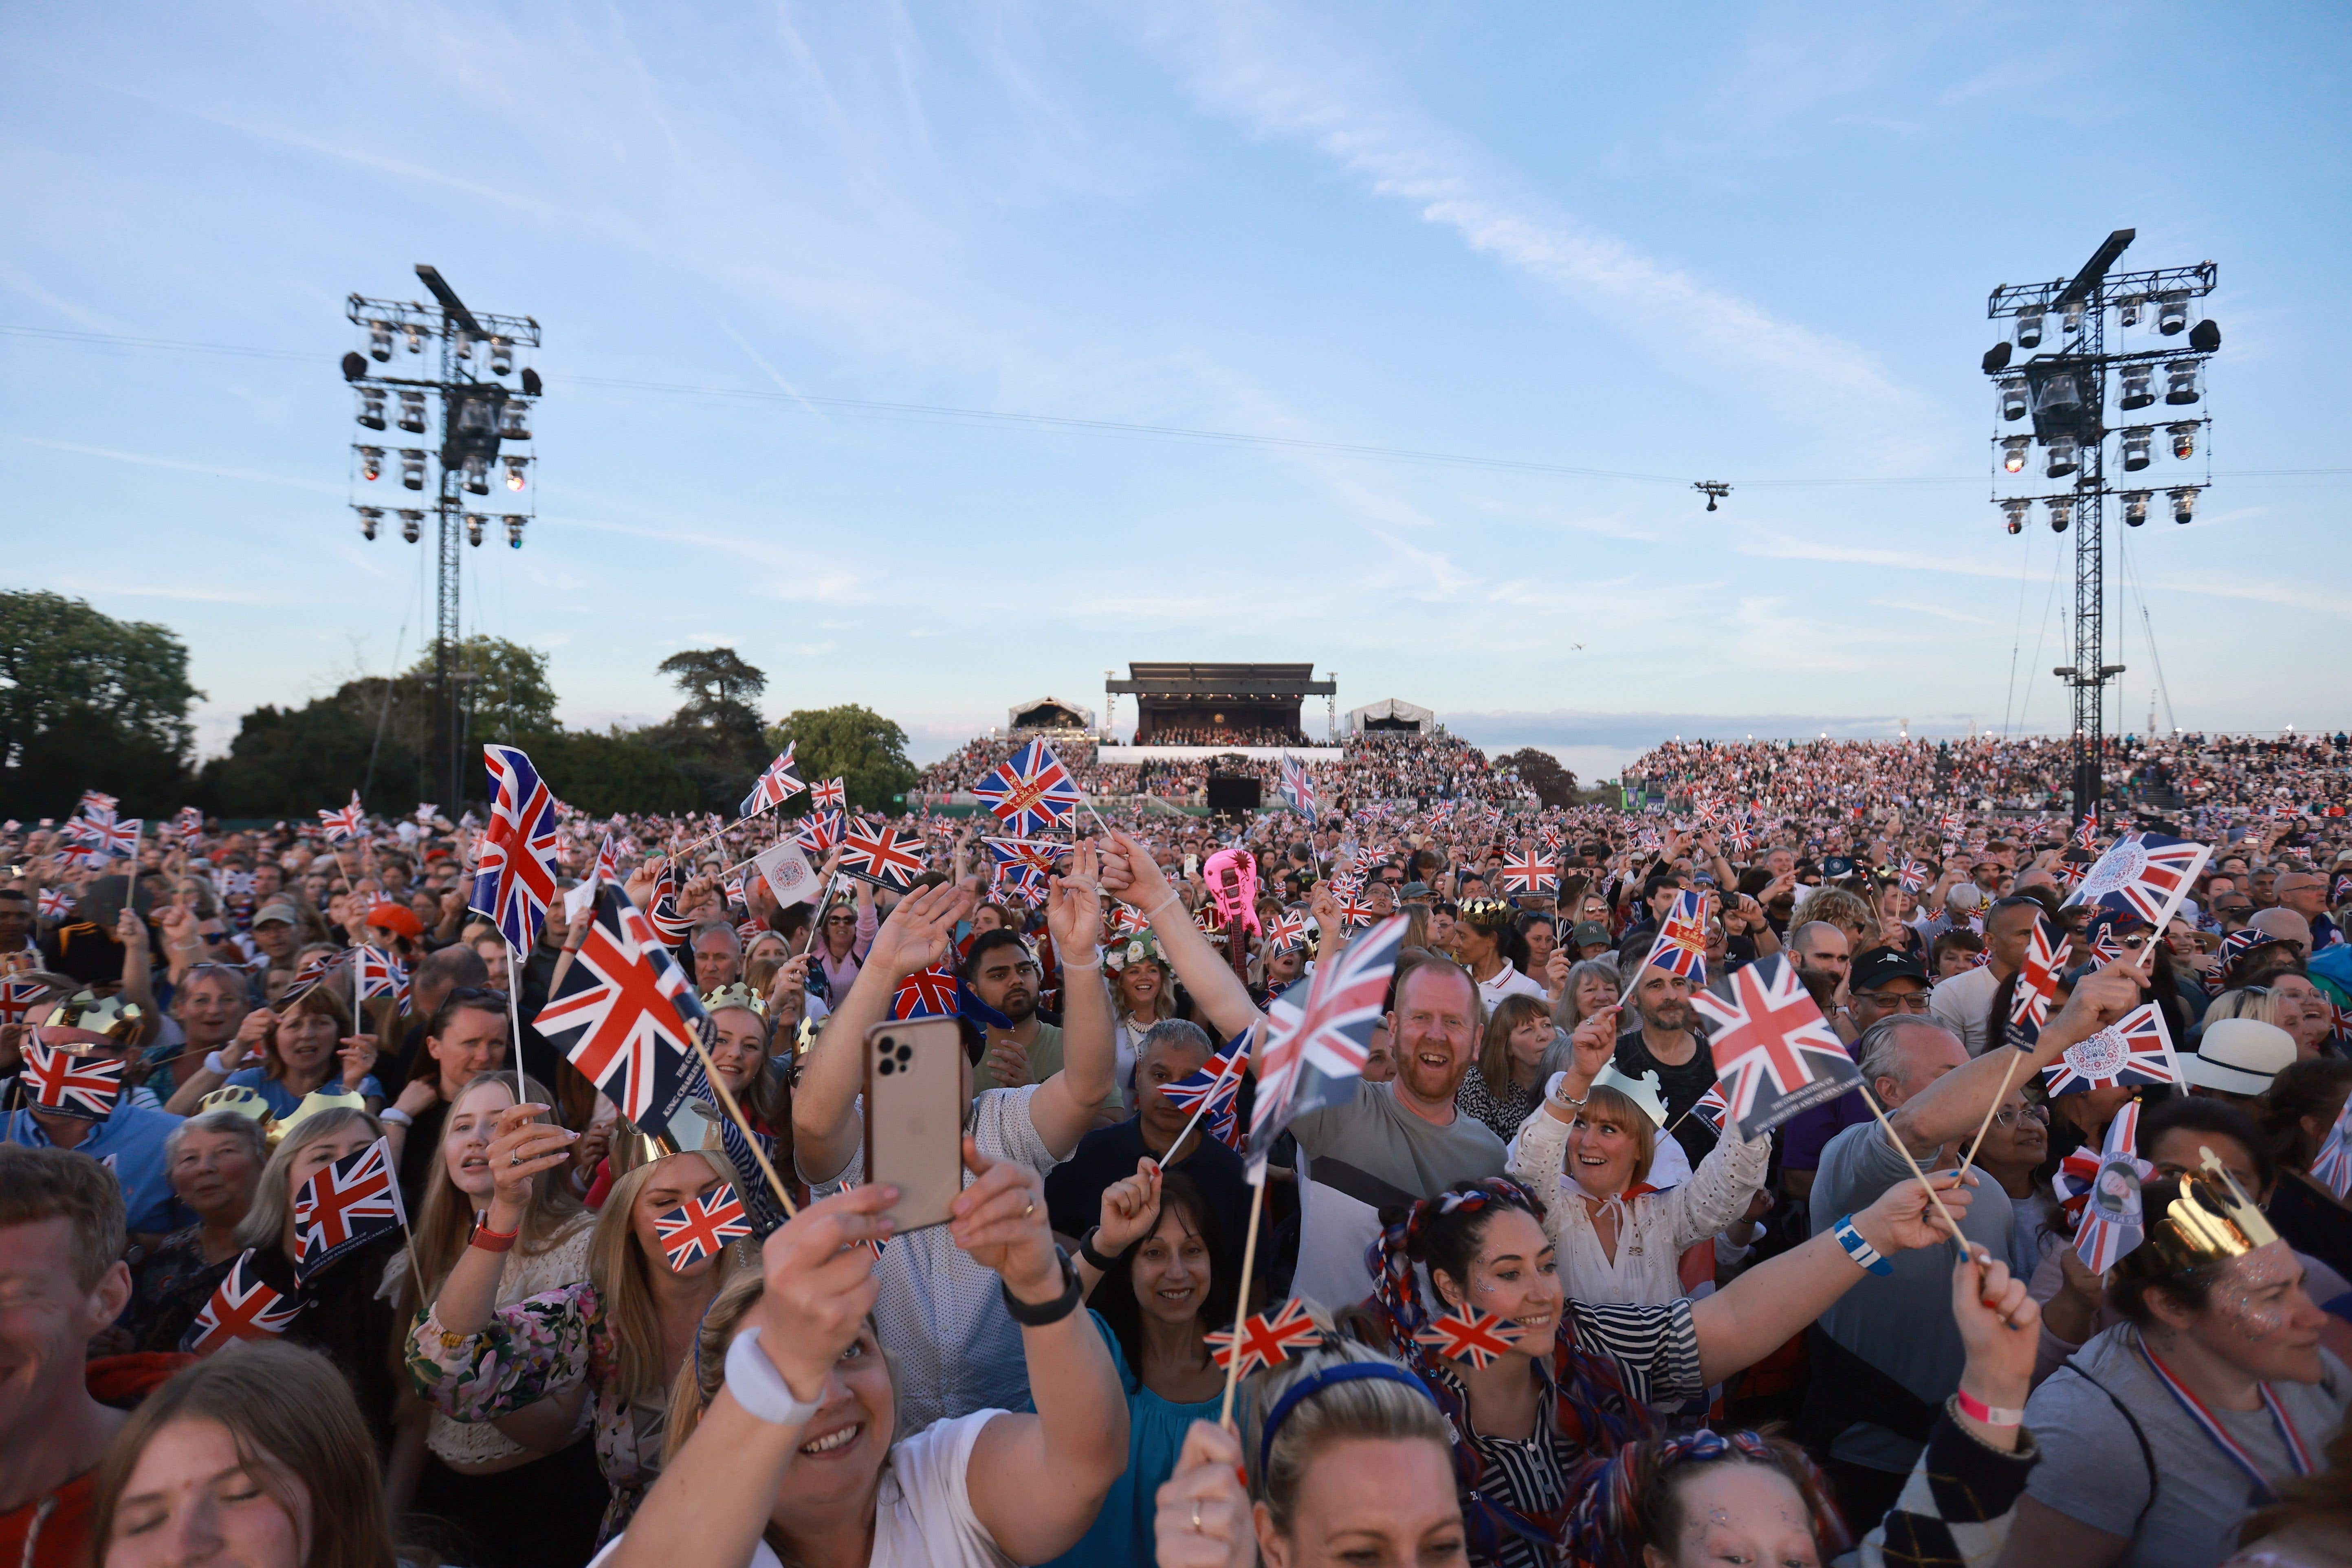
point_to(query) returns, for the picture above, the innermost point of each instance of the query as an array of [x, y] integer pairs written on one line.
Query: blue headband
[[1316, 1383]]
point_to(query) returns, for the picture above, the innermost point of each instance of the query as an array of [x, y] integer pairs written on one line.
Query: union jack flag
[[1355, 911], [777, 786], [2029, 1006], [1265, 1339], [514, 879], [829, 794], [344, 1205], [667, 924], [241, 1308], [2069, 873], [1773, 1048], [82, 1086], [1915, 877], [1040, 854], [882, 855], [1024, 884], [818, 832], [2134, 1050], [2243, 941], [2087, 832], [2332, 1166], [2143, 874], [18, 997], [1297, 788], [380, 976], [926, 994], [702, 1228], [1031, 791], [190, 822], [97, 804], [1711, 1108], [1681, 947], [115, 834], [56, 903], [344, 823], [1287, 931], [2104, 1191], [1216, 1083], [1314, 1056], [2105, 946], [1532, 872], [1952, 824], [1482, 1339], [621, 1014], [1741, 839], [1126, 921]]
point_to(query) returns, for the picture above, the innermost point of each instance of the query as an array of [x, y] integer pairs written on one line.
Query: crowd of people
[[1544, 1307], [1400, 768]]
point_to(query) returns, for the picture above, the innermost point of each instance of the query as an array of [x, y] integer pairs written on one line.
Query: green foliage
[[714, 675], [89, 702], [601, 775], [1540, 771], [714, 739], [854, 743], [509, 696]]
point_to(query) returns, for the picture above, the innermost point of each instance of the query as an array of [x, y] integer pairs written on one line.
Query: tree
[[714, 674], [610, 773], [714, 739], [1540, 771], [509, 696], [89, 702], [851, 743]]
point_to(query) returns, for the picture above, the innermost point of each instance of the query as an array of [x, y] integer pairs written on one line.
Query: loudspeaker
[[1231, 796]]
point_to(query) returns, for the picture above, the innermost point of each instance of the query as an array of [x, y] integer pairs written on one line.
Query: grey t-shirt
[[1355, 1155], [1901, 1323], [1963, 1003], [2092, 1468]]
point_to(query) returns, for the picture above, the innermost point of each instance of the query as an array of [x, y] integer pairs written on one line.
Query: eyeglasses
[[2010, 1118], [1911, 1002]]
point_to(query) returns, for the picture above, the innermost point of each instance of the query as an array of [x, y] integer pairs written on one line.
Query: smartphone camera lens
[[906, 1054], [885, 1066]]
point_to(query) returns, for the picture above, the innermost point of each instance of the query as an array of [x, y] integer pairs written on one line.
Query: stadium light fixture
[[514, 522], [379, 341], [2172, 314], [2127, 310], [2063, 458], [474, 520], [2184, 504], [2135, 378], [2029, 330], [1713, 490], [2184, 440], [370, 516], [411, 413], [415, 336], [2180, 383], [514, 420], [2062, 512], [477, 474], [2012, 454], [502, 356], [2135, 508], [2135, 443], [514, 473], [412, 468], [371, 414], [2015, 512], [370, 463], [411, 524]]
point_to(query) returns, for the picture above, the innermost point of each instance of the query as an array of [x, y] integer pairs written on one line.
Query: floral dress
[[535, 1347]]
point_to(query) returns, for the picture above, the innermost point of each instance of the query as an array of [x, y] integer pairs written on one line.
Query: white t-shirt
[[1508, 981], [923, 1514]]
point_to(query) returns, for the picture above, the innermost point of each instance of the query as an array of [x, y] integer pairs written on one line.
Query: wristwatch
[[1087, 1250], [1040, 1314]]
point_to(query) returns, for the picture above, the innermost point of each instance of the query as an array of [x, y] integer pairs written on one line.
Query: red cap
[[398, 918]]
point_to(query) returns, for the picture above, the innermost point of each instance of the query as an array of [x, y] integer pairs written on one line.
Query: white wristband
[[1092, 961], [215, 1066], [759, 1388], [393, 1116]]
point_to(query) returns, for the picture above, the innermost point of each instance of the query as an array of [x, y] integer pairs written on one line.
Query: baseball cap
[[1414, 893], [282, 910], [1875, 966], [2238, 1056], [398, 918], [1589, 932]]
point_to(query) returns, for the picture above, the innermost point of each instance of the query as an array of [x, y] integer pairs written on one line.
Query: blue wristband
[[1859, 1249]]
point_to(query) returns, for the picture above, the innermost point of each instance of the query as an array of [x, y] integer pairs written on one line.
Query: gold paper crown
[[118, 1020], [1486, 912], [2212, 1221], [247, 1102], [736, 995]]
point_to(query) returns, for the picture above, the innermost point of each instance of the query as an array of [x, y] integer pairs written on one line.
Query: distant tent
[[1049, 714], [1390, 715]]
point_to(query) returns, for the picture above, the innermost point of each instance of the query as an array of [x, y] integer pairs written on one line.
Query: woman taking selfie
[[613, 1339], [793, 1455], [517, 1505]]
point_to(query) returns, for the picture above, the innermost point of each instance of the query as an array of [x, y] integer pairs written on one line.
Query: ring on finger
[[1196, 1514]]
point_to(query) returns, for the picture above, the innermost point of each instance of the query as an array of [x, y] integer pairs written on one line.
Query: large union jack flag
[[2134, 1050], [343, 1205], [1268, 1339], [514, 879], [343, 824], [1772, 1047], [241, 1308], [1533, 872], [1681, 947], [622, 1012], [2143, 874], [1031, 791], [882, 855], [779, 783], [702, 1228], [82, 1086], [829, 794], [1314, 1056], [1298, 787]]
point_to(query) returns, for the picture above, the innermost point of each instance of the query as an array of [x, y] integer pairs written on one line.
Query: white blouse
[[525, 1275], [1654, 1228]]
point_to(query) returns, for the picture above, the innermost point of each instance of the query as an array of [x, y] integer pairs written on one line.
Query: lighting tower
[[483, 430], [2057, 399]]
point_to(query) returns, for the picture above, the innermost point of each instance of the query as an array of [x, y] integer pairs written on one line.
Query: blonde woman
[[517, 1504], [1140, 996], [613, 1339]]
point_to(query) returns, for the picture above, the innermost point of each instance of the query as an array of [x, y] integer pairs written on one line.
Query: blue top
[[282, 1100], [135, 1137], [1123, 1533]]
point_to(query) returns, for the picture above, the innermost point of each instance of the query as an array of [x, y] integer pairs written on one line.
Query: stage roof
[[1212, 680]]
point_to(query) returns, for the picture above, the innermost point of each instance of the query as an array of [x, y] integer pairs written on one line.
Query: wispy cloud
[[180, 464]]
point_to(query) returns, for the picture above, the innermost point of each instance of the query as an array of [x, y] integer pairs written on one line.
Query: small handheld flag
[[2142, 874], [1772, 1047], [1533, 873], [2332, 1166], [2037, 978], [241, 1308], [1314, 1054], [702, 1228], [1265, 1340], [778, 784], [343, 825], [829, 794], [1297, 788], [82, 1086], [1468, 1334], [620, 1014], [2134, 1050], [1681, 946], [926, 994], [1030, 790], [514, 881], [884, 855], [2107, 1196], [344, 1205]]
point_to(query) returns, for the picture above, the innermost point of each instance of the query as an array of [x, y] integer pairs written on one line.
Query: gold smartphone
[[915, 1102]]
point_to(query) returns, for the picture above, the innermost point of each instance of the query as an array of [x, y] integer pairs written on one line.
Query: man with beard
[[1003, 973], [1663, 1039]]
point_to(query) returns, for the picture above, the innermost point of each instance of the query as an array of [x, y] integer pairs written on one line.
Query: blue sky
[[1742, 242]]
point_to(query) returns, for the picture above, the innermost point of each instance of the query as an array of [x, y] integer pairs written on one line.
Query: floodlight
[[380, 342], [514, 530], [2136, 392], [514, 473], [2063, 458], [478, 475], [514, 420], [2013, 453], [2184, 438], [412, 412], [371, 415], [412, 524], [2062, 512], [502, 356], [474, 520], [2029, 330], [2013, 397], [2136, 442], [412, 468], [370, 517], [2184, 504], [2135, 508], [2172, 314], [2015, 512], [2180, 382]]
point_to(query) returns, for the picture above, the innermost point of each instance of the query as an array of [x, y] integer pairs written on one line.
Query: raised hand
[[820, 1285], [920, 931], [1131, 1207], [520, 1149], [1204, 1519], [358, 1054], [1074, 905], [999, 1221], [1903, 1218]]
